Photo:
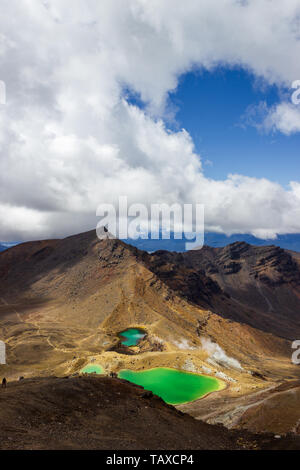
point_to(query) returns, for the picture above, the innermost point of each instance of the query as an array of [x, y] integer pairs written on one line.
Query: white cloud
[[69, 140], [285, 117]]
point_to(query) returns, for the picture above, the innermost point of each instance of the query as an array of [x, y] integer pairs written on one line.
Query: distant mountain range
[[218, 240], [4, 246]]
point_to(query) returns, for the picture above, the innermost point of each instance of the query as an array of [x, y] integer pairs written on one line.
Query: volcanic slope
[[260, 285], [63, 303], [104, 413]]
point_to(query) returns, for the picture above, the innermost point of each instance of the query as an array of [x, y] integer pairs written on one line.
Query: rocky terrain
[[104, 413], [226, 312], [260, 285]]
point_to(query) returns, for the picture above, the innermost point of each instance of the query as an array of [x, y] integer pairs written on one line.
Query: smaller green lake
[[132, 336], [92, 369], [173, 386]]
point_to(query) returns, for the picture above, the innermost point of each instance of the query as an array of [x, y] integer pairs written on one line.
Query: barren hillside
[[63, 303]]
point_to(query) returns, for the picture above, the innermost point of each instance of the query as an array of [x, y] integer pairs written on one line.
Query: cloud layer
[[70, 139]]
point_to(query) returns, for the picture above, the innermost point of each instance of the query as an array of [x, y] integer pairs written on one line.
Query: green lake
[[92, 369], [132, 336], [173, 386]]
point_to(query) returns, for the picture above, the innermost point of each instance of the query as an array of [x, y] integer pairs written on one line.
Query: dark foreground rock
[[103, 413]]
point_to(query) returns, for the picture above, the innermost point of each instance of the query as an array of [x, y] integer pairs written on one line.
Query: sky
[[163, 101], [216, 108]]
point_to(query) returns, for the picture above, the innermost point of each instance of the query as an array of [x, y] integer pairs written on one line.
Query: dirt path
[[14, 310], [36, 325]]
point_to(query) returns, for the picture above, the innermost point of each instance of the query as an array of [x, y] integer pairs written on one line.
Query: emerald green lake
[[92, 369], [132, 336], [173, 386]]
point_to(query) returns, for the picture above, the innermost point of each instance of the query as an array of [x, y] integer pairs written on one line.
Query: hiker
[[4, 383]]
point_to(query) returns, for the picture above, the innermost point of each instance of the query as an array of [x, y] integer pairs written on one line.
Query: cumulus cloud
[[70, 139], [284, 117]]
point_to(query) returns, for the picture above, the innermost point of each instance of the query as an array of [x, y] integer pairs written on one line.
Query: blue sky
[[212, 107], [215, 108]]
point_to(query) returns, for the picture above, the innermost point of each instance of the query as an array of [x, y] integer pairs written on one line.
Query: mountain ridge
[[64, 302], [218, 240]]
